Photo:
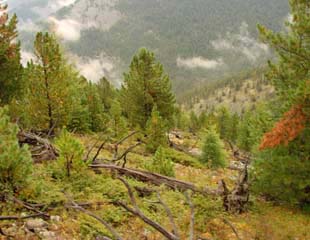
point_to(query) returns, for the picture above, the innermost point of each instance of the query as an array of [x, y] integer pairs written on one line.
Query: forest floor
[[263, 220]]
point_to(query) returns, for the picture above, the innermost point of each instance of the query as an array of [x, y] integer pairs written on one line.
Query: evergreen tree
[[15, 161], [194, 122], [98, 117], [213, 152], [70, 154], [282, 169], [106, 92], [10, 67], [245, 140], [233, 128], [117, 122], [52, 92], [156, 130], [161, 163], [146, 85], [224, 122]]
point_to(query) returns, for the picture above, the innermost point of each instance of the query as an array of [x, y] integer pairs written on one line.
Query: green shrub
[[70, 154], [15, 161], [283, 174], [161, 164], [156, 130], [182, 158], [213, 152]]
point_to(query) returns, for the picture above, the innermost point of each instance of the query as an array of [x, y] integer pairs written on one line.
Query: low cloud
[[58, 4], [28, 26], [199, 62], [94, 68], [242, 43], [67, 29]]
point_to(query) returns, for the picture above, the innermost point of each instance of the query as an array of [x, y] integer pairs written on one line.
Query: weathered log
[[235, 201], [155, 179], [41, 148]]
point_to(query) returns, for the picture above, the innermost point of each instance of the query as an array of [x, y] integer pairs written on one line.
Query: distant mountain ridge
[[197, 41]]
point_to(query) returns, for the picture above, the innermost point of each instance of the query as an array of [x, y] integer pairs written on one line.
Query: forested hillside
[[84, 159], [197, 41]]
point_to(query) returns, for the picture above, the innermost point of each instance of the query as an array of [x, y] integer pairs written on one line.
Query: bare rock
[[34, 224]]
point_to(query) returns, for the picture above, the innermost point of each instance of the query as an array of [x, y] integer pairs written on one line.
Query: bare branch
[[98, 151], [125, 138], [137, 212], [170, 216], [29, 207], [90, 149], [192, 219], [232, 227], [2, 218], [107, 226]]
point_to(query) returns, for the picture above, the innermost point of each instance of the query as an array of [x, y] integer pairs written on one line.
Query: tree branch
[[192, 218], [137, 212], [107, 226]]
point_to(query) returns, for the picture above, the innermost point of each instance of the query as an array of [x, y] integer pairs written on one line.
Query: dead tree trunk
[[41, 148], [235, 201]]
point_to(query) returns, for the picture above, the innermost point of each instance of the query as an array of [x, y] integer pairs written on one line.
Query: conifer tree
[[70, 154], [213, 152], [224, 122], [106, 92], [161, 163], [194, 122], [52, 86], [156, 130], [15, 161], [117, 122], [10, 67], [282, 167], [97, 115], [290, 75], [146, 85]]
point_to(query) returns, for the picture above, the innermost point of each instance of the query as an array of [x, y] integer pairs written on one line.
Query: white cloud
[[58, 4], [67, 29], [28, 26], [199, 62], [242, 43], [26, 57], [94, 68]]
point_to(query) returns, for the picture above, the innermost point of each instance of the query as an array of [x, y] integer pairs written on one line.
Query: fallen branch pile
[[41, 148]]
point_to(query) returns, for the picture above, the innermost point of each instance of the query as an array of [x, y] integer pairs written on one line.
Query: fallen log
[[41, 149], [155, 179]]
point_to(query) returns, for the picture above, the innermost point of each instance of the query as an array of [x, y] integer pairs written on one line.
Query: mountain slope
[[197, 41]]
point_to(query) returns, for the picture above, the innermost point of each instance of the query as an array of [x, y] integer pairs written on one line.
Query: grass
[[262, 221]]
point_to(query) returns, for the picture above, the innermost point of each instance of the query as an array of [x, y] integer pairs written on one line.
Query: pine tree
[[146, 85], [290, 75], [70, 154], [10, 67], [161, 163], [213, 152], [96, 109], [224, 122], [156, 130], [52, 92], [15, 161], [117, 122], [194, 122], [282, 167], [106, 92]]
